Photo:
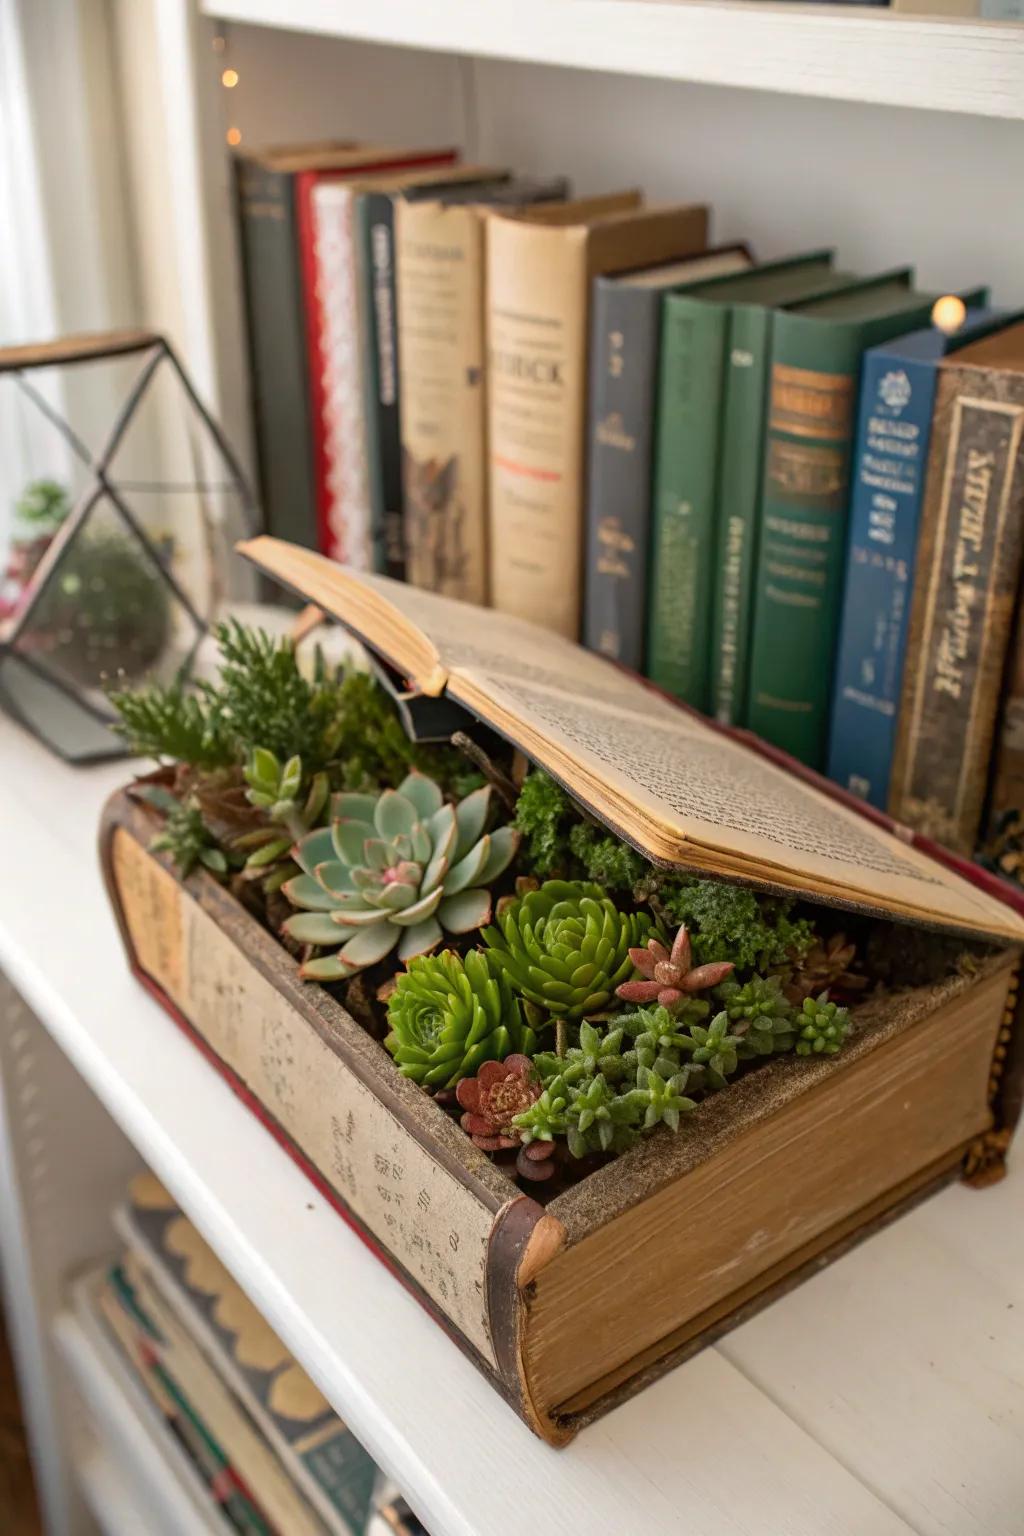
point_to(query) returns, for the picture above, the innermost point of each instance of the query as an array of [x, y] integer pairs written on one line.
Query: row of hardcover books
[[258, 1436], [720, 472]]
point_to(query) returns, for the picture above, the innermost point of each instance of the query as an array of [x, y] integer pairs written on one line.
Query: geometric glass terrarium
[[119, 502]]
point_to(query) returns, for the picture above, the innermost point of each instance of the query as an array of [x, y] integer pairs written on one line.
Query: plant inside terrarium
[[556, 992], [103, 610]]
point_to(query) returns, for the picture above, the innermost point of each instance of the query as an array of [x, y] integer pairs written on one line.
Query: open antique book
[[676, 788]]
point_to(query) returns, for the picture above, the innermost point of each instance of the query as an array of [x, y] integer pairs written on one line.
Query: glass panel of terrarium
[[57, 717], [170, 470], [106, 612], [43, 475]]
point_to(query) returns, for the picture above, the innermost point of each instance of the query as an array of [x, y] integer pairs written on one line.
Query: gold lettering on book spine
[[809, 404]]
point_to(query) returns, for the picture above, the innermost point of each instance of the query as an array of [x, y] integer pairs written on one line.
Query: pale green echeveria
[[399, 869]]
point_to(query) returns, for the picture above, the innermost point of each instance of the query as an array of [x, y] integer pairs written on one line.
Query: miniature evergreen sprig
[[169, 724]]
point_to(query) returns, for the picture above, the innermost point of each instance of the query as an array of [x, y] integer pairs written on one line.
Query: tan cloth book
[[539, 277]]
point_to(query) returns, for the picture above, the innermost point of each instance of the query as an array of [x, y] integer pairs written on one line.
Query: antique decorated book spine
[[623, 375], [335, 360], [538, 293], [800, 532], [375, 232], [741, 456], [277, 353], [969, 562], [537, 347], [440, 276], [683, 498], [889, 462]]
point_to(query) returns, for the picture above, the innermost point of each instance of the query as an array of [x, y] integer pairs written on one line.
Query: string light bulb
[[229, 79], [948, 314], [234, 136]]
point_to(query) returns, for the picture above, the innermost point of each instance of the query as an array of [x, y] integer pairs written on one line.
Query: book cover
[[134, 1336], [440, 298], [816, 353], [968, 573], [324, 234], [376, 273], [315, 1447], [695, 327], [539, 280], [276, 343], [624, 347], [740, 462], [888, 469]]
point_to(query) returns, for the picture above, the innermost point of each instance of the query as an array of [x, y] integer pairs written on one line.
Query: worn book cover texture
[[969, 562], [539, 280]]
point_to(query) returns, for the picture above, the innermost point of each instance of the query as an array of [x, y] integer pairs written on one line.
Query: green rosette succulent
[[821, 1027], [400, 868], [565, 947], [448, 1015]]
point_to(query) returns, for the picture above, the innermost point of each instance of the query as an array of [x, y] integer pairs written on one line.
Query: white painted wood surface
[[882, 1398], [841, 52], [704, 1451]]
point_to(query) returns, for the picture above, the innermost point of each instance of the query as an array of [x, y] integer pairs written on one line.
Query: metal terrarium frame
[[20, 362]]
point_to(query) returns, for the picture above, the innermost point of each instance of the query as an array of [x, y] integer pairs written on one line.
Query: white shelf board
[[849, 53], [465, 1462], [115, 1508]]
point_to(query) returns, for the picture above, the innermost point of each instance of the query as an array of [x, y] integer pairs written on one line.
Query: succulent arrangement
[[554, 991]]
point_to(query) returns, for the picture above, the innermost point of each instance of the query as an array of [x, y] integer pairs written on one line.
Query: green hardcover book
[[740, 457], [695, 337], [816, 353]]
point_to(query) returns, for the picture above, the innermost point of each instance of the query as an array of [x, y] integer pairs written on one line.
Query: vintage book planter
[[787, 1166]]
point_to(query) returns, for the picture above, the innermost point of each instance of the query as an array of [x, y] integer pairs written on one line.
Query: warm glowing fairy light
[[229, 79], [234, 136], [948, 313]]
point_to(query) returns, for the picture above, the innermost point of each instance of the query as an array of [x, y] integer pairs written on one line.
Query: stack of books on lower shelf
[[273, 1455]]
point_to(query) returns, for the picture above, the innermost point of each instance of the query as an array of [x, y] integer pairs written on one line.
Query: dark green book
[[740, 455], [375, 267], [277, 355], [816, 354], [695, 336], [625, 335]]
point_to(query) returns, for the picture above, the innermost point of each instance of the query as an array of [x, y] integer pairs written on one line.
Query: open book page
[[680, 790], [686, 794]]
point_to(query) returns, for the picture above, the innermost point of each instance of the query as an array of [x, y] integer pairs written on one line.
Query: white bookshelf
[[848, 53]]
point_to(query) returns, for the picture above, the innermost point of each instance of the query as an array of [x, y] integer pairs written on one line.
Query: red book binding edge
[[305, 183]]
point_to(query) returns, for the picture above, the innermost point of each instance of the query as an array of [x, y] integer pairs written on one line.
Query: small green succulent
[[448, 1015], [565, 947], [760, 1013], [399, 868], [821, 1027], [185, 836]]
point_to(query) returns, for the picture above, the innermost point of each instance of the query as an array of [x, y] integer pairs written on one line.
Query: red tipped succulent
[[669, 975], [491, 1100]]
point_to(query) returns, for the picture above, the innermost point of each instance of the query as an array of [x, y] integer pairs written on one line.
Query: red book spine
[[330, 536]]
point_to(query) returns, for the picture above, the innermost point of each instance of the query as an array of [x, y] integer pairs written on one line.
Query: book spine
[[685, 470], [374, 233], [1007, 794], [969, 559], [537, 351], [801, 536], [440, 280], [277, 354], [335, 359], [889, 461], [624, 361], [740, 461]]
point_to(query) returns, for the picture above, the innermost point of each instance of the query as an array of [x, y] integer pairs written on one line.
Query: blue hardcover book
[[890, 460]]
